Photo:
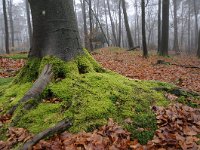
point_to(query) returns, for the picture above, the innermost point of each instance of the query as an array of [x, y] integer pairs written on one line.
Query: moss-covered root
[[37, 88]]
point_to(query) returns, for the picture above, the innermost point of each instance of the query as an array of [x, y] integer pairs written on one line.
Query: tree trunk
[[85, 24], [189, 31], [10, 5], [159, 25], [165, 28], [91, 28], [107, 30], [196, 23], [6, 27], [120, 25], [30, 33], [176, 45], [128, 31], [198, 51], [145, 52], [55, 30], [112, 23]]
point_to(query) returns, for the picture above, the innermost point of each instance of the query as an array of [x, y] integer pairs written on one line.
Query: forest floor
[[178, 125]]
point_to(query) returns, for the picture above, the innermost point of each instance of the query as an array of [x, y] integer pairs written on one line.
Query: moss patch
[[90, 95]]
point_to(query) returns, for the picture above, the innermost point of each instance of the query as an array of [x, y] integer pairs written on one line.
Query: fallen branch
[[132, 49], [59, 128], [168, 63], [37, 88]]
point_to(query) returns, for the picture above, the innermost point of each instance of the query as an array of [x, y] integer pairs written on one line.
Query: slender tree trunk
[[85, 24], [55, 30], [128, 31], [137, 22], [30, 33], [91, 28], [120, 25], [176, 45], [196, 23], [106, 17], [145, 52], [198, 50], [6, 27], [10, 5], [165, 28], [159, 25], [189, 31], [112, 23]]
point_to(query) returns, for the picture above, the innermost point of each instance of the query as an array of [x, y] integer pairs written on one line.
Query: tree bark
[[159, 25], [10, 5], [145, 52], [55, 30], [112, 23], [198, 50], [165, 28], [189, 30], [120, 25], [196, 23], [176, 45], [91, 28], [128, 31], [6, 27], [30, 33]]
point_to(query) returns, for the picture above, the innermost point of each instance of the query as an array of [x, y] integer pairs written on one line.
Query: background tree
[[10, 12], [128, 31], [6, 26], [145, 52], [165, 28], [29, 25], [159, 25], [198, 51]]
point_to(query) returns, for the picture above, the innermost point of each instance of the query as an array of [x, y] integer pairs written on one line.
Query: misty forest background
[[104, 25]]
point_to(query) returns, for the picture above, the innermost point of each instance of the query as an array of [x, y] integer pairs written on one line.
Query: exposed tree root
[[37, 88], [178, 91], [59, 128], [168, 63]]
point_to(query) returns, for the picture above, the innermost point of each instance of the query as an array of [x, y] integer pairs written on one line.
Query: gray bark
[[128, 31], [198, 50], [30, 33], [6, 27], [165, 28], [10, 5], [159, 25], [55, 30]]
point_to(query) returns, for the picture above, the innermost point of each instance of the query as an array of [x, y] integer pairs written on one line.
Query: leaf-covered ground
[[178, 125], [183, 71]]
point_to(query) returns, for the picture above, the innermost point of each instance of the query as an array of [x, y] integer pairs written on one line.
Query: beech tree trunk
[[30, 33], [6, 27], [145, 52], [120, 25], [165, 28], [159, 25], [176, 45], [198, 51], [10, 5], [128, 31], [55, 30], [91, 27]]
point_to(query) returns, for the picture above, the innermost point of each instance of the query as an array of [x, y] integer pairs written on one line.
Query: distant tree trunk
[[10, 5], [107, 30], [137, 22], [85, 24], [120, 25], [189, 31], [159, 25], [176, 45], [29, 22], [91, 28], [112, 23], [196, 23], [128, 31], [55, 30], [198, 51], [165, 28], [145, 52], [6, 27]]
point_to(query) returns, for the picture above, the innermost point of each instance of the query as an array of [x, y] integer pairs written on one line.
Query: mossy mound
[[90, 95]]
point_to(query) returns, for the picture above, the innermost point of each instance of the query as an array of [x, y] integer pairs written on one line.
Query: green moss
[[29, 72], [90, 96]]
